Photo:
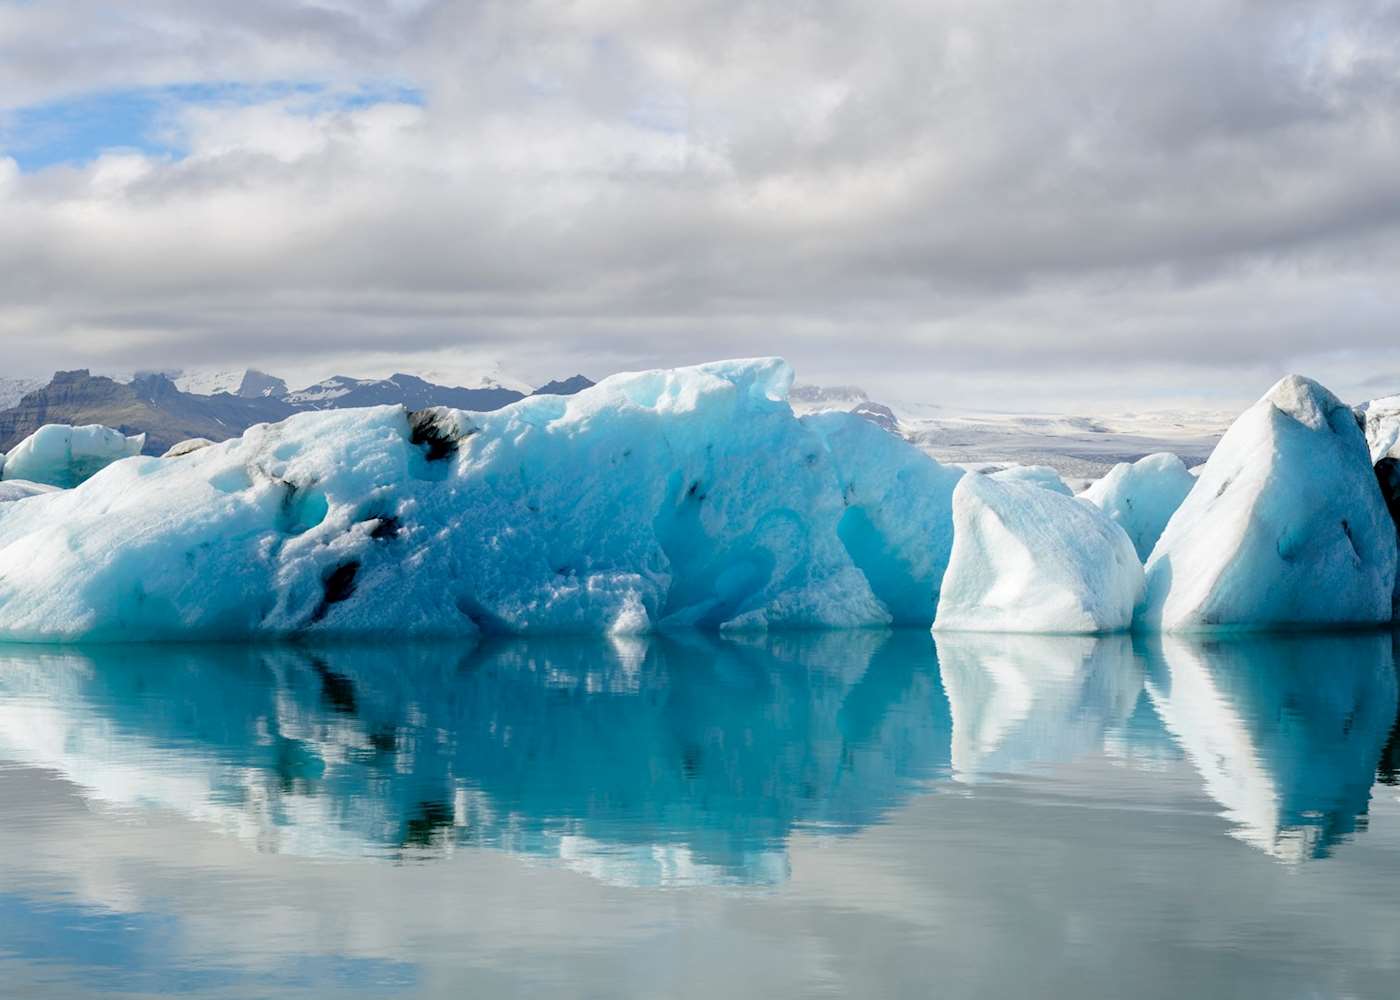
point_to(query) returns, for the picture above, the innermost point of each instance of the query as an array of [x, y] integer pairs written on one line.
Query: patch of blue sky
[[77, 130]]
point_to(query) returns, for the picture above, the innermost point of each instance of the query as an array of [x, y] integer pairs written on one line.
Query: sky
[[1025, 204]]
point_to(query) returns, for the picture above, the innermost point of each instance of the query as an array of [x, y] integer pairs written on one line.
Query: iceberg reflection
[[1018, 700], [689, 759], [654, 761], [1285, 731]]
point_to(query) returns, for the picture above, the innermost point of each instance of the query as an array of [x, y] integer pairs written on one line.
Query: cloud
[[1061, 203]]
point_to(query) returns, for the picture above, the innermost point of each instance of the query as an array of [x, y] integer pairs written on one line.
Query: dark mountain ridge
[[565, 387], [149, 404], [342, 392], [152, 404]]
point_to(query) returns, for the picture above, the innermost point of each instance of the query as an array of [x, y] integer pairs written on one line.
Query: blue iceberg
[[654, 500]]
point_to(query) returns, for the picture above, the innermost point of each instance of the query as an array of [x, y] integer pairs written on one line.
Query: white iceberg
[[1027, 559], [60, 455], [1033, 475], [1141, 496], [653, 500], [1285, 527]]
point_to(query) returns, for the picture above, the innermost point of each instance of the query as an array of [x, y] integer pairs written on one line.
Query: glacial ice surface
[[1033, 475], [1028, 559], [64, 456], [1141, 496], [19, 489], [1285, 527], [653, 500]]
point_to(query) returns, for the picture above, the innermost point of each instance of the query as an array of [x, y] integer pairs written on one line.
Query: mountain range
[[168, 408]]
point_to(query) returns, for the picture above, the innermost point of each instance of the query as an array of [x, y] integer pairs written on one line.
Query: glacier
[[1029, 559], [1286, 526], [688, 497], [64, 456], [1142, 496]]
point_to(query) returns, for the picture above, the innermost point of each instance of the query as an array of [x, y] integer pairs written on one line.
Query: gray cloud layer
[[1051, 202]]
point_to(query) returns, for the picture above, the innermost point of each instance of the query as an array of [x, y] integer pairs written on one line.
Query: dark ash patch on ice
[[337, 586], [435, 431], [385, 527]]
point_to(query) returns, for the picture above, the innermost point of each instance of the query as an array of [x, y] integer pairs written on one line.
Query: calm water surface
[[859, 814]]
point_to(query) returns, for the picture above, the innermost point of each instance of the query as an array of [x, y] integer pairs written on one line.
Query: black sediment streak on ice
[[337, 586], [385, 527], [435, 431]]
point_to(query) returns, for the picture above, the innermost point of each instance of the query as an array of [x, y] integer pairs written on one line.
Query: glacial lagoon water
[[853, 814]]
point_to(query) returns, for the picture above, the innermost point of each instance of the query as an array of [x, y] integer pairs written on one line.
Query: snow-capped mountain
[[246, 382], [489, 376], [209, 383], [341, 391]]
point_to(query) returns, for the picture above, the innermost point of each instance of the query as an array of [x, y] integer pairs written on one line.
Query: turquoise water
[[858, 814]]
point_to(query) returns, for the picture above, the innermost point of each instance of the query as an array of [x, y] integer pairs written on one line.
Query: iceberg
[[1286, 526], [897, 524], [1033, 475], [654, 500], [1027, 559], [1142, 496], [64, 456]]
